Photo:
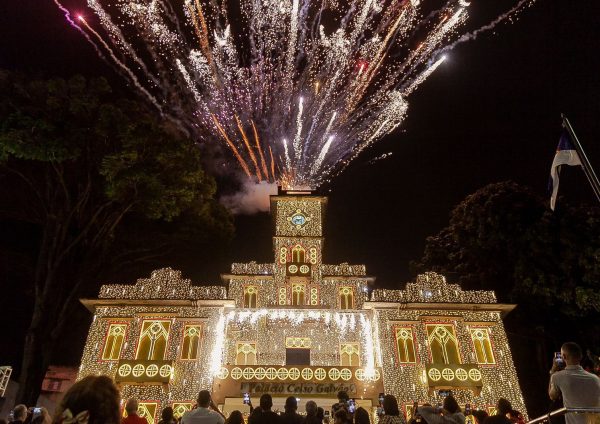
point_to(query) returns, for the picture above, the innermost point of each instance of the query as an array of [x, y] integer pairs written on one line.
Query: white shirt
[[202, 415], [579, 388]]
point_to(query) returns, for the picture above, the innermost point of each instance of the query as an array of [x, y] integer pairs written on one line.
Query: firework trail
[[294, 89]]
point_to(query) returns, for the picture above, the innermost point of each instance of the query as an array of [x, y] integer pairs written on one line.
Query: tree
[[77, 164], [504, 238]]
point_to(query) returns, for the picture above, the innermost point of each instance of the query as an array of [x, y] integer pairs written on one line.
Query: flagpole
[[585, 163]]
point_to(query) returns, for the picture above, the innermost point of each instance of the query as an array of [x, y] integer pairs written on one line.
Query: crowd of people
[[96, 400]]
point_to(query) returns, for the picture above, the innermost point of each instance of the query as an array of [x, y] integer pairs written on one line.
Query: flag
[[565, 155]]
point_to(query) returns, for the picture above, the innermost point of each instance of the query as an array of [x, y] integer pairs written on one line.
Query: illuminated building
[[299, 327]]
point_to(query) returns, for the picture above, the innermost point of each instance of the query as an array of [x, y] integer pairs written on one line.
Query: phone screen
[[381, 396], [326, 414], [246, 398], [558, 358], [351, 406], [468, 409]]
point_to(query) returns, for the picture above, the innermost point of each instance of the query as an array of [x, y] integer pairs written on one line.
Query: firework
[[295, 89]]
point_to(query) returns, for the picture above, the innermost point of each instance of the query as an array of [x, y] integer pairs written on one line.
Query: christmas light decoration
[[164, 339]]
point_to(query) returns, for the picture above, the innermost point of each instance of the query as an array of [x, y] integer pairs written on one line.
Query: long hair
[[390, 405], [361, 416], [95, 395], [235, 417]]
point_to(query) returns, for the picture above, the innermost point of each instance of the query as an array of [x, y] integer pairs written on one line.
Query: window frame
[[167, 341], [413, 329], [200, 338], [442, 323], [125, 339], [357, 344], [339, 296], [249, 342], [489, 339]]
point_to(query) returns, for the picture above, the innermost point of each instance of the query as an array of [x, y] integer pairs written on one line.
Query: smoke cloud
[[251, 199]]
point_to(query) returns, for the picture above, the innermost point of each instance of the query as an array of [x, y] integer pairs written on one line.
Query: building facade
[[299, 327]]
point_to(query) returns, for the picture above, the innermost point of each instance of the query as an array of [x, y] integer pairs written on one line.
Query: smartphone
[[381, 396], [468, 409], [246, 398], [444, 393], [37, 410], [351, 405], [326, 414], [558, 358]]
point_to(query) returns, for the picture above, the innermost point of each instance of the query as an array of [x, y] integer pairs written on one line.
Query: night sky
[[490, 113]]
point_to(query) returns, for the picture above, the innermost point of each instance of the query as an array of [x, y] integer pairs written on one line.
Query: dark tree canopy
[[503, 237], [103, 185]]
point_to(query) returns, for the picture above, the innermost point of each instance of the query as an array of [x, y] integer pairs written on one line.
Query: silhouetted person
[[311, 413], [503, 407], [206, 413], [451, 413], [235, 417], [167, 417], [131, 407], [361, 416], [264, 415], [391, 412], [290, 416], [93, 400], [19, 414]]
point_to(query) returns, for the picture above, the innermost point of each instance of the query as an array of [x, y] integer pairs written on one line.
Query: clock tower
[[298, 245]]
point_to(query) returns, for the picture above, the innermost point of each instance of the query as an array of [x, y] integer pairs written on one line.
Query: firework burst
[[294, 89]]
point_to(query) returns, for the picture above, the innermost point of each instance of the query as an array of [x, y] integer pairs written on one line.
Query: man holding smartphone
[[578, 388]]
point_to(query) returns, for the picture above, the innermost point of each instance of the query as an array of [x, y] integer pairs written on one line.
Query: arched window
[[298, 294], [443, 344], [349, 355], [346, 294], [114, 342], [405, 345], [153, 340], [245, 353], [482, 345], [191, 341], [298, 254], [180, 408], [250, 296], [146, 410]]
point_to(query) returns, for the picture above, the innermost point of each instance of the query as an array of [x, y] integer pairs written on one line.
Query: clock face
[[298, 219]]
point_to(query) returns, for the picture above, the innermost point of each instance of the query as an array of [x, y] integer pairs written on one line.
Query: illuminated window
[[146, 410], [482, 345], [405, 345], [245, 353], [283, 255], [443, 344], [298, 293], [250, 295], [282, 295], [314, 296], [180, 408], [346, 297], [191, 341], [114, 341], [153, 340], [349, 355], [298, 254], [297, 342]]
